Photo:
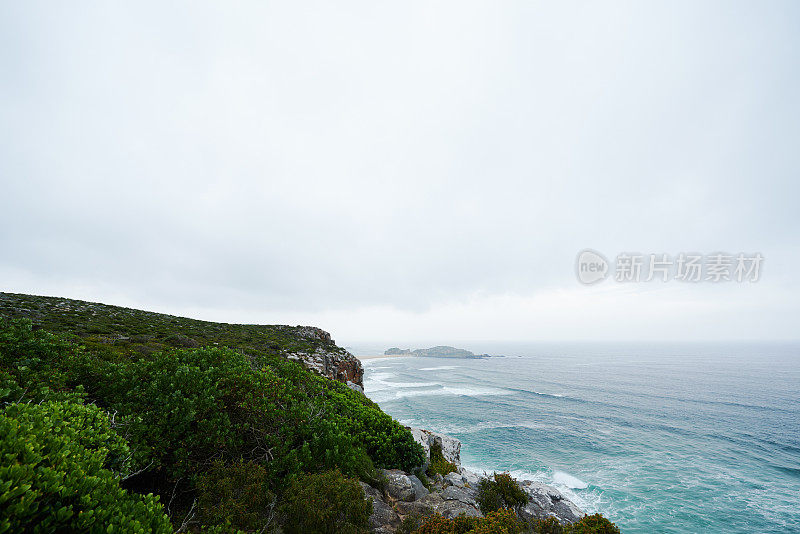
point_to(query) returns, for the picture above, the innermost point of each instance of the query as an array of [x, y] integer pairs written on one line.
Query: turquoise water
[[698, 438]]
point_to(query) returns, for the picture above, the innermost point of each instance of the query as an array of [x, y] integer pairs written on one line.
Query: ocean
[[658, 438]]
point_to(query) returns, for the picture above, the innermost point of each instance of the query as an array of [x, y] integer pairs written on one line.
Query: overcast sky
[[404, 171]]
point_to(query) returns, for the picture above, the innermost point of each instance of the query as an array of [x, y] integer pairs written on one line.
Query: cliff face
[[329, 359]]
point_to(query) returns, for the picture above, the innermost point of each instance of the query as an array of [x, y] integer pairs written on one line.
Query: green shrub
[[237, 494], [325, 503], [420, 474], [60, 464], [592, 524], [388, 443], [549, 525], [499, 522], [505, 521], [410, 524], [439, 465], [31, 357], [500, 491]]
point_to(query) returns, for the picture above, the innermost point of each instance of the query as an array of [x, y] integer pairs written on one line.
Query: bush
[[30, 357], [410, 524], [546, 526], [439, 465], [499, 522], [437, 524], [325, 503], [388, 443], [237, 493], [60, 465], [592, 524], [500, 491]]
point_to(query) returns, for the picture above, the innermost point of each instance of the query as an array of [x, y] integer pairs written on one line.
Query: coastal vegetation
[[179, 436], [118, 420], [499, 492], [439, 464]]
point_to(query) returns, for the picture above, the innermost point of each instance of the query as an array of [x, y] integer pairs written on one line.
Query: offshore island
[[441, 351]]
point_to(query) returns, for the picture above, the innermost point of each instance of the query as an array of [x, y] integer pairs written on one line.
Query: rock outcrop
[[451, 447], [332, 361], [547, 501], [452, 495]]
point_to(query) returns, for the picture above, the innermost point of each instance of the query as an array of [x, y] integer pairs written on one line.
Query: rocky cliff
[[329, 359], [452, 495]]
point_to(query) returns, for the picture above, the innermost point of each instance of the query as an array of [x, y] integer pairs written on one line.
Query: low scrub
[[439, 465], [500, 491], [325, 503], [505, 521]]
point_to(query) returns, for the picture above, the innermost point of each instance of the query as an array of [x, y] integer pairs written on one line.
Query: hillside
[[121, 420], [193, 424], [132, 333]]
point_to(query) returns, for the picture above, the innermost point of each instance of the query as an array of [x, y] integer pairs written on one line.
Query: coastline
[[456, 493]]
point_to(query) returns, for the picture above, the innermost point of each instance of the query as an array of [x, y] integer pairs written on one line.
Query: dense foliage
[[327, 503], [211, 430], [60, 470], [500, 491], [236, 494]]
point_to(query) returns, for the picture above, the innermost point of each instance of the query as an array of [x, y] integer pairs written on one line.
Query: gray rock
[[436, 503], [454, 479], [423, 507], [383, 518], [470, 479], [419, 488], [546, 501], [454, 493], [399, 485], [454, 508], [329, 360]]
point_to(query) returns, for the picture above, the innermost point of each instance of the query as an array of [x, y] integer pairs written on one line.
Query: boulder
[[462, 495], [448, 505], [419, 488], [546, 501], [384, 519], [470, 479], [399, 486]]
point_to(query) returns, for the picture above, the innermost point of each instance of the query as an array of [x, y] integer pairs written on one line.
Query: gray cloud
[[308, 158]]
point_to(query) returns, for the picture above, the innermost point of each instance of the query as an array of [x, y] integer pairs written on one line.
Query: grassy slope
[[126, 331]]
